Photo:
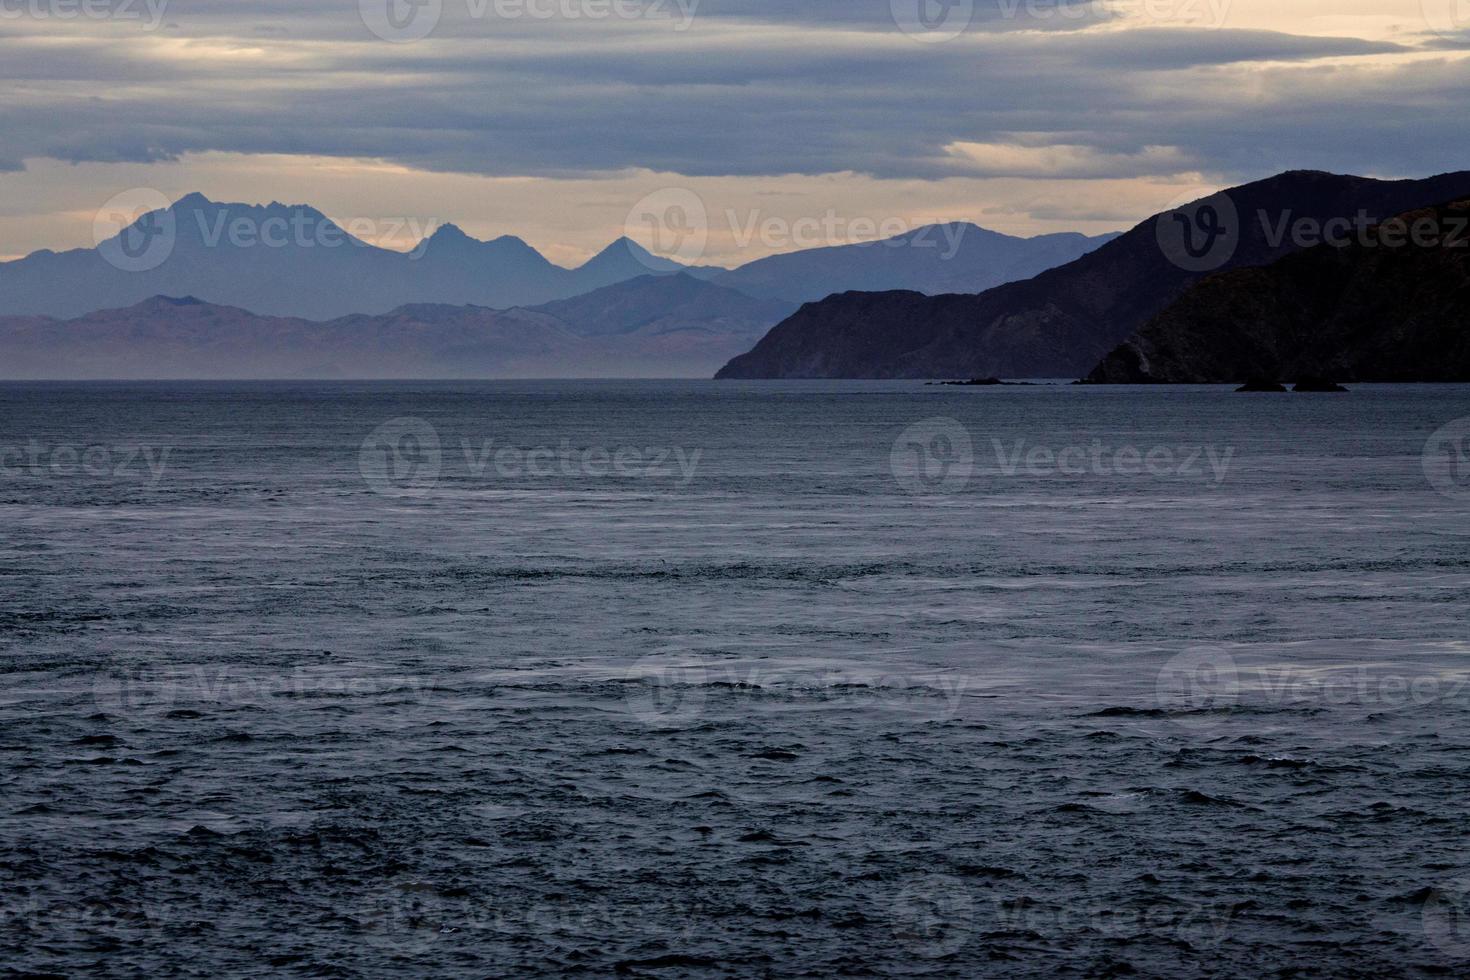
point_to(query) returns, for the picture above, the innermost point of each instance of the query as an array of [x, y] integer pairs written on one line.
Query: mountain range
[[1062, 322], [1390, 305], [1236, 287], [651, 326], [946, 258], [294, 261]]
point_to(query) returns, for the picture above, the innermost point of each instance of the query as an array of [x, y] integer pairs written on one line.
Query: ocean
[[717, 679]]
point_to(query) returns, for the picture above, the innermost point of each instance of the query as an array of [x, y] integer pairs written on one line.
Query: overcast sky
[[553, 119]]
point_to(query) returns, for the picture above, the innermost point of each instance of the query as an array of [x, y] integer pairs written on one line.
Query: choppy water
[[726, 679]]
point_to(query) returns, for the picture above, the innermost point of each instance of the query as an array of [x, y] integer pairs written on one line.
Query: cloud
[[743, 92], [1062, 160], [776, 92]]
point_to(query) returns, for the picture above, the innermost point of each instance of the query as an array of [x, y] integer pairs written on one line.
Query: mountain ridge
[[1062, 322], [933, 259], [293, 260], [672, 326], [1368, 310]]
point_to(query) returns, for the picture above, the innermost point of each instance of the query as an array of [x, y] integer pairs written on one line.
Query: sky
[[772, 124]]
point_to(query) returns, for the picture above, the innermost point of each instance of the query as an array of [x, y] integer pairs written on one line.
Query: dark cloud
[[753, 87]]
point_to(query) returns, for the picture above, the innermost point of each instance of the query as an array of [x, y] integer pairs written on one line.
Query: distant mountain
[[1063, 321], [292, 260], [187, 338], [948, 258], [652, 326], [1383, 308], [651, 305], [624, 259], [455, 269]]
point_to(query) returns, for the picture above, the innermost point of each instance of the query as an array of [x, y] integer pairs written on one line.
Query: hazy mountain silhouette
[[1382, 308], [292, 260], [948, 258], [188, 338], [456, 269], [660, 304], [622, 260], [652, 326], [1064, 321]]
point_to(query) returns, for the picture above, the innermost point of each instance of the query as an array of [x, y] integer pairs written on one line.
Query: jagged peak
[[623, 244], [194, 199], [451, 239], [617, 254], [450, 232]]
